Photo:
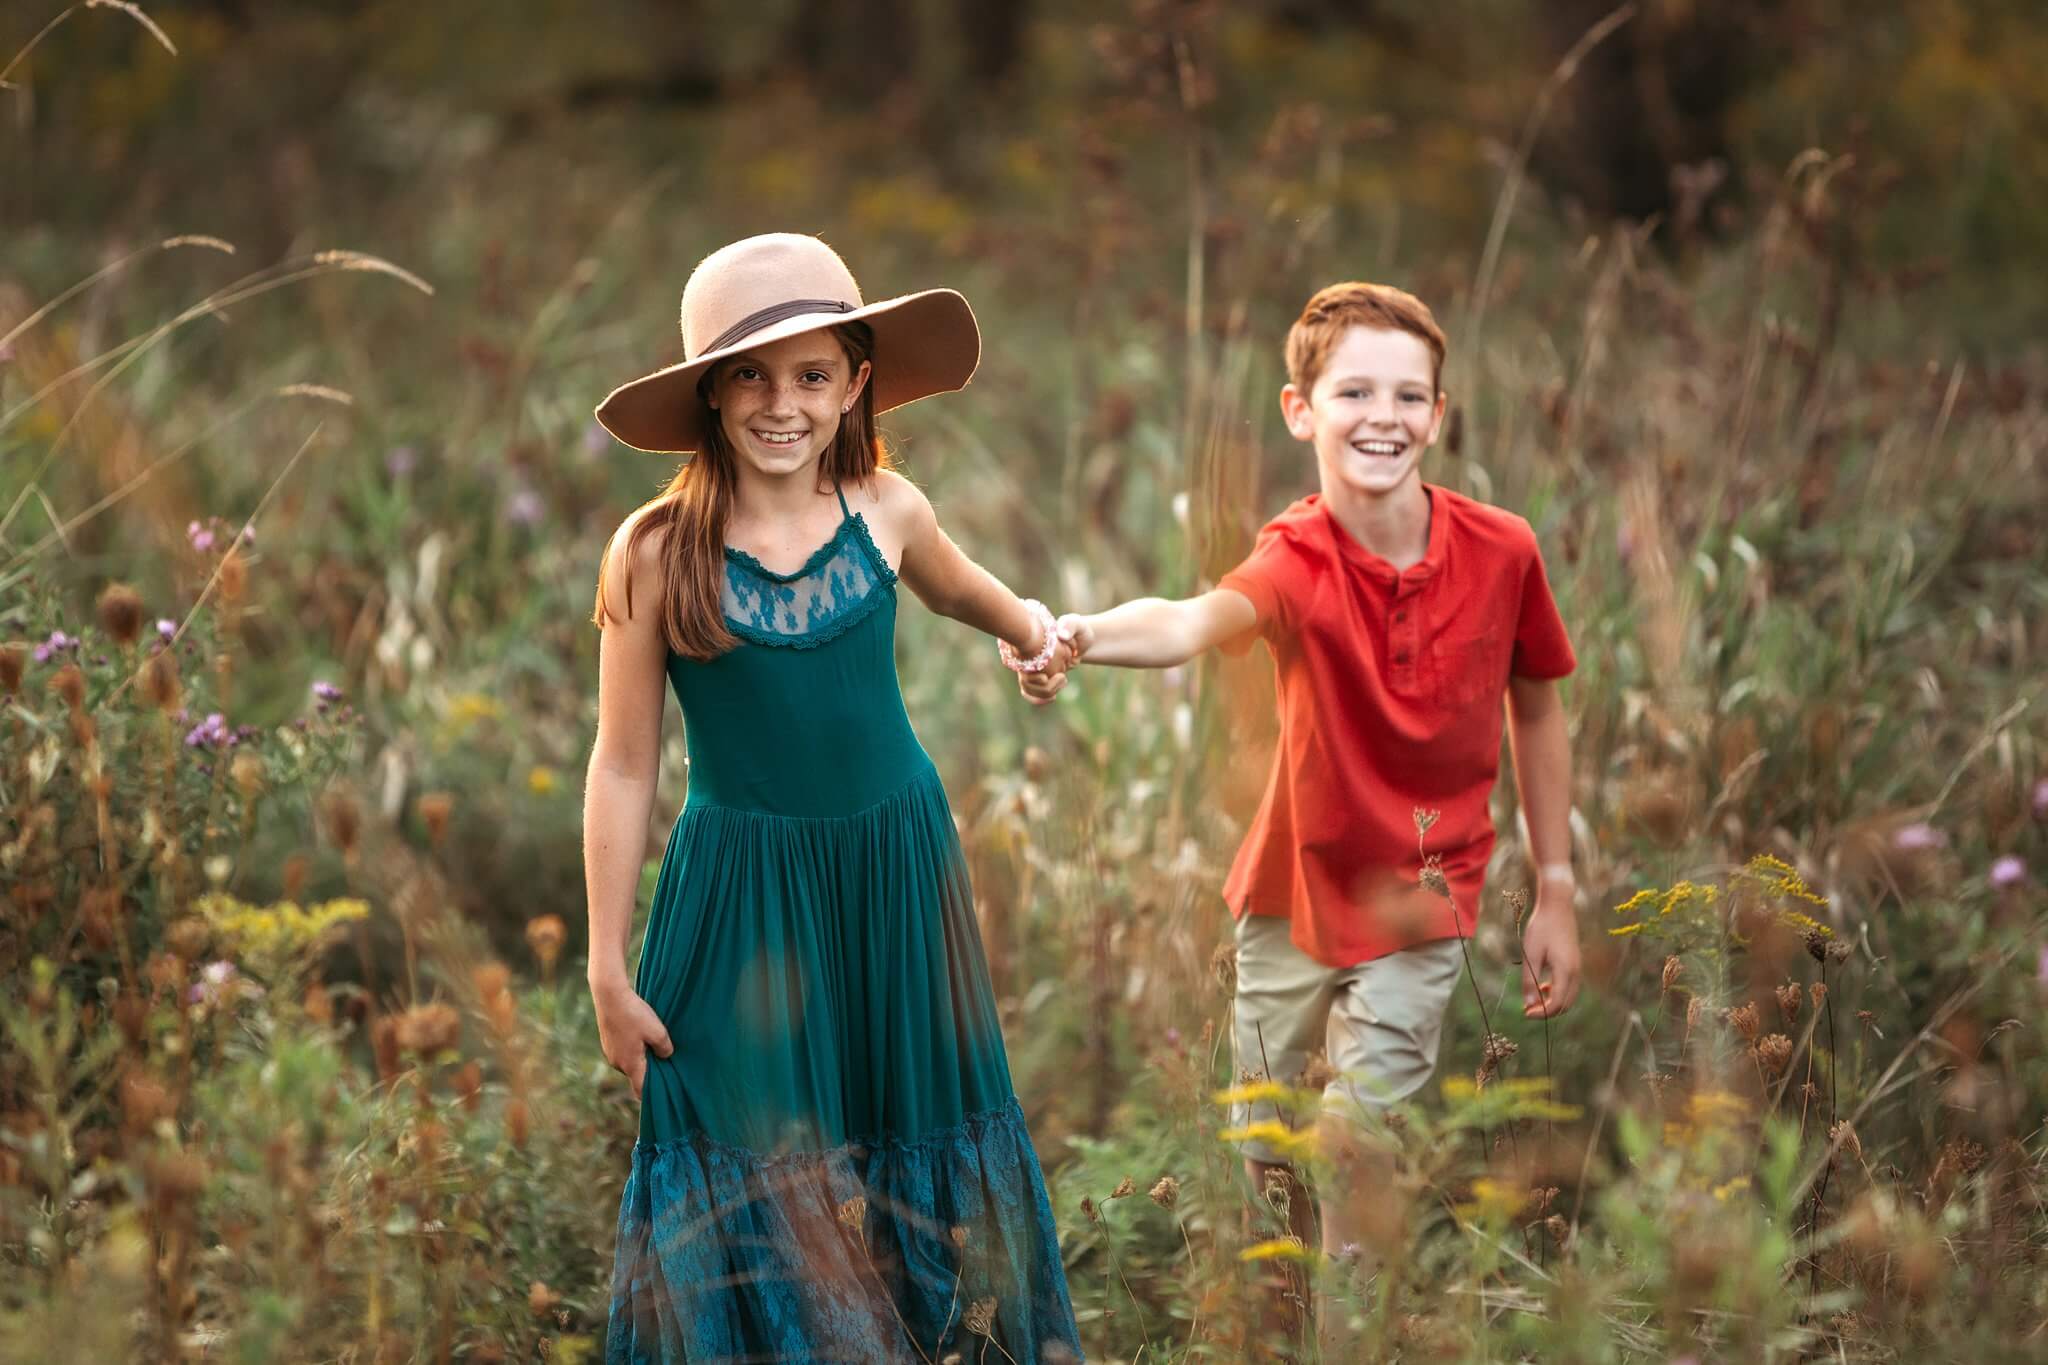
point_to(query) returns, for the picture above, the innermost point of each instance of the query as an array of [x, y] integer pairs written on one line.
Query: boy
[[1398, 615]]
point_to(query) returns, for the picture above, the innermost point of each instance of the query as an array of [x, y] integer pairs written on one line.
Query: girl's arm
[[950, 583], [1151, 632], [1543, 773], [618, 795]]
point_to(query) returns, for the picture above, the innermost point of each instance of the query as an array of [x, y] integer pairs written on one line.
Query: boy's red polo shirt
[[1390, 691]]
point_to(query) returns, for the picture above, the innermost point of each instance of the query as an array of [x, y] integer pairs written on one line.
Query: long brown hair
[[691, 513]]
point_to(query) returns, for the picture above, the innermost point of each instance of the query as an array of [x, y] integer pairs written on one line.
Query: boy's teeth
[[1379, 447]]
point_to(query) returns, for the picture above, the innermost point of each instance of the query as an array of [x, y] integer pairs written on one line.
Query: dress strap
[[845, 512]]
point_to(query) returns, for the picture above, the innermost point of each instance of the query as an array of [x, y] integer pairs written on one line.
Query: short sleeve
[[1542, 648], [1264, 579]]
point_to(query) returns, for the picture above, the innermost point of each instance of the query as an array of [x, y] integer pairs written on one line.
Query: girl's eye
[[746, 372], [816, 377]]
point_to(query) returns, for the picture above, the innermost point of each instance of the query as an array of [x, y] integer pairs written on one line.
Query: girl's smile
[[780, 404]]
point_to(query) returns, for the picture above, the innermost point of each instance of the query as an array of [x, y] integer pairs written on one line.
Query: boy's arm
[[1543, 768], [1152, 632]]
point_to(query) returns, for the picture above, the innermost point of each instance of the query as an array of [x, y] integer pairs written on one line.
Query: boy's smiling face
[[1371, 412]]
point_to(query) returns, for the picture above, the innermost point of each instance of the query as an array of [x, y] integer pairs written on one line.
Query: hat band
[[768, 317]]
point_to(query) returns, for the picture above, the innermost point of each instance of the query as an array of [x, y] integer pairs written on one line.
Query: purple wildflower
[[2008, 871], [55, 645], [400, 461], [201, 536], [324, 693], [217, 980], [525, 508], [167, 630], [1918, 836], [596, 440], [211, 733]]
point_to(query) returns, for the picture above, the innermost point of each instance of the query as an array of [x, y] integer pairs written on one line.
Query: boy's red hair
[[1337, 308]]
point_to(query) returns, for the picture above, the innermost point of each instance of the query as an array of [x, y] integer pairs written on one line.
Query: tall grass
[[294, 1063]]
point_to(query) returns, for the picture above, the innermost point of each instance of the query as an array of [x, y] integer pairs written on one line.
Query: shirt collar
[[1381, 570]]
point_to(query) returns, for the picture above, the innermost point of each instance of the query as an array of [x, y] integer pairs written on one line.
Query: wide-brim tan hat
[[762, 289]]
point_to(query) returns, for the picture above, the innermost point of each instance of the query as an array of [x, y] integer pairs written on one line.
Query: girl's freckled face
[[780, 404]]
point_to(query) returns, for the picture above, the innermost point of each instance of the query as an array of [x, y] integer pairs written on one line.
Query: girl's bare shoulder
[[896, 511], [637, 555]]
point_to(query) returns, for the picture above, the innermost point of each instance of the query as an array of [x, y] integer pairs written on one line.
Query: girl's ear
[[860, 379], [1294, 410]]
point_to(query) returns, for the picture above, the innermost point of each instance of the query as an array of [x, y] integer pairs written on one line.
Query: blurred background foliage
[[1744, 305]]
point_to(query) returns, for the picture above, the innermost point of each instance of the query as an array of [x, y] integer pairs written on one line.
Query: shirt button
[[1400, 616], [1402, 657]]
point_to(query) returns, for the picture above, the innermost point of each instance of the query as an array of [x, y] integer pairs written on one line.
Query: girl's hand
[[627, 1027], [1040, 688]]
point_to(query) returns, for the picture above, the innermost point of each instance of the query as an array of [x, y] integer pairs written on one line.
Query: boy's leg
[[1281, 1012], [1386, 1023]]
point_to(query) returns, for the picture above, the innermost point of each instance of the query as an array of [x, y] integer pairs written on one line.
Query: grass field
[[297, 546]]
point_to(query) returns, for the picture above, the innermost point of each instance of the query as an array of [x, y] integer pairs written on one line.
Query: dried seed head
[[68, 683], [545, 934], [188, 938], [13, 660], [1746, 1020], [467, 1081], [1818, 994], [1694, 1008], [1425, 818], [1558, 1229], [491, 980], [319, 1004], [1774, 1053], [1499, 1047], [344, 822], [1816, 945], [234, 576], [1433, 878], [1843, 1135], [1790, 998], [1318, 1073], [853, 1214], [434, 809], [1166, 1193], [428, 1029], [1124, 1188], [1838, 951], [981, 1317], [1672, 967], [247, 772], [121, 615], [1279, 1195], [1088, 1208], [1223, 967], [518, 1122], [958, 1234], [159, 681]]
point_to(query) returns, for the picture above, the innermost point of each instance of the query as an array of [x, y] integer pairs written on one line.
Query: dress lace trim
[[834, 590]]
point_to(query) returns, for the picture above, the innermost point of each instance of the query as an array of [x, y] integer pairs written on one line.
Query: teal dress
[[832, 1166]]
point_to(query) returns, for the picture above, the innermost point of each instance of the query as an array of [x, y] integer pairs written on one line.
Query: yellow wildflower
[[467, 708], [1641, 900], [1713, 1106], [1492, 1199], [1277, 1249], [1255, 1092], [540, 780], [1627, 929], [1735, 1186], [1285, 1141]]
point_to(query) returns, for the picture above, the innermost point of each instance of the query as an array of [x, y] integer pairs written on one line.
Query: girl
[[831, 1164]]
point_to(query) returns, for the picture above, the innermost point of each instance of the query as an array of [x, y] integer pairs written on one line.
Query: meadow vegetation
[[297, 544]]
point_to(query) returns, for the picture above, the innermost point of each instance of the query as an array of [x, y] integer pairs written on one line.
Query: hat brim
[[925, 343]]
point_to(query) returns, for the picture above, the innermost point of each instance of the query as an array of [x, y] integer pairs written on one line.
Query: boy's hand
[[1550, 955], [1040, 688]]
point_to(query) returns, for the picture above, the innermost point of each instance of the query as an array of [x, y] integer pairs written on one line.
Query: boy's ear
[[1294, 410], [1436, 423]]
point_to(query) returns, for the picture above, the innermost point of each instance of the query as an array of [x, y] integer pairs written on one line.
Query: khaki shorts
[[1379, 1022]]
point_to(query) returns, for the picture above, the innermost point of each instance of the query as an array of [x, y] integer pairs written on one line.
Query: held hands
[[1076, 637], [627, 1027]]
